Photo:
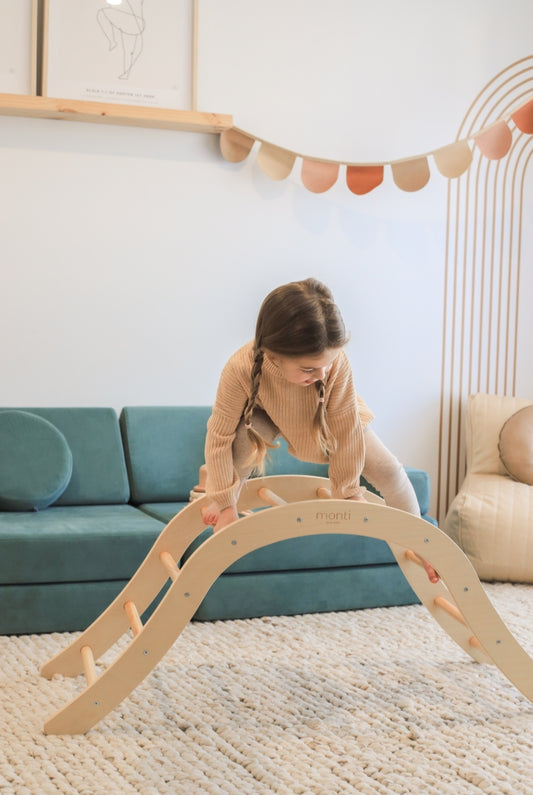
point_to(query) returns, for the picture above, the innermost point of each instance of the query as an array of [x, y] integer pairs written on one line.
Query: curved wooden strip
[[142, 589]]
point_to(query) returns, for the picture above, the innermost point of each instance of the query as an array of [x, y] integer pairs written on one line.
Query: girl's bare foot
[[219, 519], [227, 516]]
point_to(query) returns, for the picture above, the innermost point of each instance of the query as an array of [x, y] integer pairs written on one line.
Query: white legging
[[382, 469]]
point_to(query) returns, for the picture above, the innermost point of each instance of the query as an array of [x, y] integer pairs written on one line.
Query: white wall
[[134, 260]]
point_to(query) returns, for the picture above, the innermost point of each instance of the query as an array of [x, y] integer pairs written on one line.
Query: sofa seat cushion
[[35, 462], [164, 511], [75, 544]]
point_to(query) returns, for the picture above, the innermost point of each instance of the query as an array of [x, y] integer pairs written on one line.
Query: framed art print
[[134, 52], [18, 46]]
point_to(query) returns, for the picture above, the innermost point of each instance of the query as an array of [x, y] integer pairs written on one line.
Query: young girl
[[294, 380]]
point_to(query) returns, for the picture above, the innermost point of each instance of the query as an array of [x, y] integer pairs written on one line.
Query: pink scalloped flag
[[319, 176], [496, 141], [523, 117], [454, 159], [235, 145], [411, 175], [276, 162], [363, 179]]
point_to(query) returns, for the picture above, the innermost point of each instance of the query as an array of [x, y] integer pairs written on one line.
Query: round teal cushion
[[35, 462]]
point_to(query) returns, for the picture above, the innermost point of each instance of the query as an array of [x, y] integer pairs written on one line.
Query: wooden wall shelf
[[130, 115]]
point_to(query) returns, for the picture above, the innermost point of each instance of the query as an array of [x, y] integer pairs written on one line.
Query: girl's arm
[[222, 480], [346, 462]]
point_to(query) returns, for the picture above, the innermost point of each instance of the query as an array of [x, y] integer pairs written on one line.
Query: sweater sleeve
[[346, 462], [222, 479]]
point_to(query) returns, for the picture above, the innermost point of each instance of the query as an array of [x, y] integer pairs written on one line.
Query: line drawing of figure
[[127, 24]]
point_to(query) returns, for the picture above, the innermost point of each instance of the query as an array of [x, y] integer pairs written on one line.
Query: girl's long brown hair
[[297, 319]]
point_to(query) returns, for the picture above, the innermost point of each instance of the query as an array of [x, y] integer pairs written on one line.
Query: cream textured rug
[[374, 701]]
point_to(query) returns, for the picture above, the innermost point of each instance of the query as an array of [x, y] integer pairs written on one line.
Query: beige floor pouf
[[491, 518]]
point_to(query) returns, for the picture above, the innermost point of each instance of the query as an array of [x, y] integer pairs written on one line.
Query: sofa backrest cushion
[[164, 448], [35, 462], [99, 474]]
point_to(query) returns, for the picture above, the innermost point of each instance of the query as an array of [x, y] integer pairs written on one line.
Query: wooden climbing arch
[[300, 506]]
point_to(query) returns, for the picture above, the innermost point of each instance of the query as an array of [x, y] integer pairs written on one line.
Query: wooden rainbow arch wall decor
[[483, 263]]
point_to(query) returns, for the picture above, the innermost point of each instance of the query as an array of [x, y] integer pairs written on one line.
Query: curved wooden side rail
[[458, 602]]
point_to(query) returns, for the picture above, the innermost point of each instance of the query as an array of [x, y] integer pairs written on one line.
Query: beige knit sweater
[[291, 408]]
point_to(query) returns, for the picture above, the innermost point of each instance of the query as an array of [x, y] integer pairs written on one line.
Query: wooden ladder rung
[[453, 611], [170, 565], [133, 617], [271, 497], [89, 666], [413, 557]]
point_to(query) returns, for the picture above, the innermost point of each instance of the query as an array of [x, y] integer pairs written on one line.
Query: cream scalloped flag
[[454, 159], [410, 174]]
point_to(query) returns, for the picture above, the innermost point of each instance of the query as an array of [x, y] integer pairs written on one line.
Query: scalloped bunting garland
[[409, 174]]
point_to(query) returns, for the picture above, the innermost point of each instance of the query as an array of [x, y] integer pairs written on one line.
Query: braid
[[320, 424], [260, 446]]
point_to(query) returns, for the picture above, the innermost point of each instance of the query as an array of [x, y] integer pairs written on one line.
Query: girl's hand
[[357, 498]]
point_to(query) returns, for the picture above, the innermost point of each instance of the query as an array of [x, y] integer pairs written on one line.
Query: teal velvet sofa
[[85, 492]]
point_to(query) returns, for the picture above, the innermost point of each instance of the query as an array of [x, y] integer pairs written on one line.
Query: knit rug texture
[[370, 701]]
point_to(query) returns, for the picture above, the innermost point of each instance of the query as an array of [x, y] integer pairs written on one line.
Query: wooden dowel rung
[[452, 610], [89, 665], [133, 617], [413, 557], [323, 493], [170, 564], [269, 496]]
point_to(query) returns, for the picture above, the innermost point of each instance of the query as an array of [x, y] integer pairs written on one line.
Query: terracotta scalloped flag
[[411, 175], [495, 141], [363, 179], [319, 176], [235, 145], [523, 117], [276, 162], [454, 159]]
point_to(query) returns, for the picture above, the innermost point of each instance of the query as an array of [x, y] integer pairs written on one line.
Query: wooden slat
[[89, 666], [133, 617], [170, 564], [271, 497]]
